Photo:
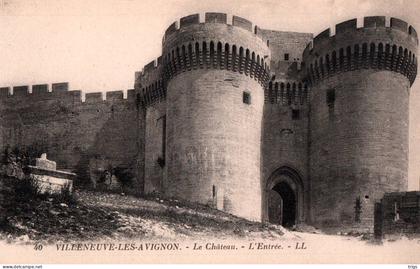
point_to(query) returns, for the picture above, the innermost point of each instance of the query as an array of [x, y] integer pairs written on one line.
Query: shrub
[[124, 176], [24, 155], [65, 196], [26, 189]]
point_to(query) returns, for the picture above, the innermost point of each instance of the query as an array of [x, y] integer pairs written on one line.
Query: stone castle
[[263, 124]]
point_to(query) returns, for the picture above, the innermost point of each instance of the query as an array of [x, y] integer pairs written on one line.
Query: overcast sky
[[97, 45]]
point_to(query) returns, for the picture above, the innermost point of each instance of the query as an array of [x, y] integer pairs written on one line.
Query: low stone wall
[[398, 213], [52, 181], [49, 179]]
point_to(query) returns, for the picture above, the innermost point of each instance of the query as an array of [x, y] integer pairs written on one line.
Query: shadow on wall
[[111, 161]]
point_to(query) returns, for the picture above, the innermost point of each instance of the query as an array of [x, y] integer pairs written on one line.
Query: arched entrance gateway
[[284, 197]]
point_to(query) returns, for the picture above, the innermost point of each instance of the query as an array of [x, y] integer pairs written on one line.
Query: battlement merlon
[[20, 90], [60, 87], [5, 92], [94, 97], [114, 96], [40, 88]]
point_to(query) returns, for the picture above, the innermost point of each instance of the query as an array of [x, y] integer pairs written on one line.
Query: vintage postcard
[[183, 131]]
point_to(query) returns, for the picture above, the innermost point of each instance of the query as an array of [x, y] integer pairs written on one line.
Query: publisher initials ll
[[300, 245]]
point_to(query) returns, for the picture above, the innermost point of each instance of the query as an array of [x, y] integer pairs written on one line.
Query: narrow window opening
[[164, 136], [357, 210], [138, 99], [161, 159], [286, 56], [295, 114], [246, 98], [331, 97]]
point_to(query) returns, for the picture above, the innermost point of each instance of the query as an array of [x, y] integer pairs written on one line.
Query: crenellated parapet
[[212, 44], [149, 83], [60, 91], [373, 46], [215, 44], [152, 93], [286, 93], [178, 27]]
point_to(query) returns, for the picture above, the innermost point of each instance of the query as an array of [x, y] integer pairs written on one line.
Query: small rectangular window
[[295, 114], [286, 56], [246, 98], [330, 97]]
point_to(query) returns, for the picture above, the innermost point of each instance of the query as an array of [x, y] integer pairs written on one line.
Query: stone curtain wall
[[282, 43], [72, 132], [285, 141], [285, 119], [155, 158]]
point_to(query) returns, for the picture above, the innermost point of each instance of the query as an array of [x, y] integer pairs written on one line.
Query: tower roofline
[[209, 17]]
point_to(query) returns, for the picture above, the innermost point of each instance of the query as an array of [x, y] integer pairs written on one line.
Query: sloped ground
[[97, 215], [31, 216], [158, 218]]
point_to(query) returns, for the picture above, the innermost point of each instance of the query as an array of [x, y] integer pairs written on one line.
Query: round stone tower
[[215, 75], [360, 84]]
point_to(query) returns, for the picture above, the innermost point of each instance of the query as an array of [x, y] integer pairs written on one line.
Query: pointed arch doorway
[[284, 197]]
